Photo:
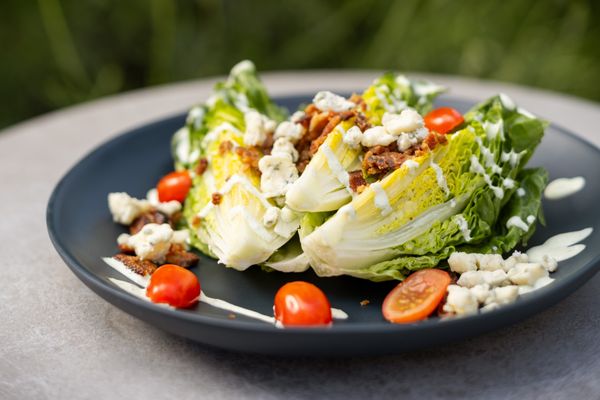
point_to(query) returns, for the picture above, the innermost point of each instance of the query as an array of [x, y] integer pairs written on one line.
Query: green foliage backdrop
[[60, 52]]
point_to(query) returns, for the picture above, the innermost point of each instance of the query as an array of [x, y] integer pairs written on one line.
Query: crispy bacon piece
[[149, 217], [357, 182], [432, 140], [140, 267], [225, 147], [249, 156], [362, 122], [380, 163], [202, 165], [216, 198], [179, 256]]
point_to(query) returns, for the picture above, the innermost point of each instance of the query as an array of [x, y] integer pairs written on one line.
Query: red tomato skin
[[174, 285], [174, 186], [443, 120], [428, 284], [302, 304]]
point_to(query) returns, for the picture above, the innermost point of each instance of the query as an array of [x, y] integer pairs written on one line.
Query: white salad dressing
[[381, 199], [213, 134], [560, 247], [463, 226], [563, 187], [140, 292], [441, 179], [477, 168], [336, 168], [518, 222]]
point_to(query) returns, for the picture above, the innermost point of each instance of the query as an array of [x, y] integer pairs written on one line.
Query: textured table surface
[[59, 340]]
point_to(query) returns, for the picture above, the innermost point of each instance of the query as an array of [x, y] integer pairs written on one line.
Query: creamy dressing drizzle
[[140, 292], [441, 179], [517, 222], [381, 199], [560, 247], [563, 187], [463, 226], [336, 168], [477, 168]]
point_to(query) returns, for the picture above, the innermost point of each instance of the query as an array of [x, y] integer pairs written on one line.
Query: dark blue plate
[[82, 231]]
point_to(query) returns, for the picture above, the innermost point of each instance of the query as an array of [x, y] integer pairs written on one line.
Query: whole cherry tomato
[[174, 186], [174, 285], [443, 120], [302, 304]]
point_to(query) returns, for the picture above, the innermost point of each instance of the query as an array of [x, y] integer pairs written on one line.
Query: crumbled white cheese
[[474, 278], [123, 239], [168, 207], [408, 120], [460, 301], [278, 173], [527, 273], [328, 101], [494, 281], [462, 262], [481, 292], [271, 216], [152, 242], [284, 146], [353, 137], [297, 116], [290, 131], [258, 127], [505, 294], [377, 136], [125, 209]]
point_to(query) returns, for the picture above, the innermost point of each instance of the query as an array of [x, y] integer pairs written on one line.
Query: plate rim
[[537, 301]]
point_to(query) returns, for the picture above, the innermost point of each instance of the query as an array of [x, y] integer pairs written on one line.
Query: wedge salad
[[378, 185]]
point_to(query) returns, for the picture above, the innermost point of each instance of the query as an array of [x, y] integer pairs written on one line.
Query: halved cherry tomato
[[174, 285], [443, 120], [302, 304], [416, 297], [174, 186]]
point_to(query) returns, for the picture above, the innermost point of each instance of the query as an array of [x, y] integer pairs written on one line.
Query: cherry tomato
[[416, 297], [443, 120], [174, 186], [302, 304], [174, 285]]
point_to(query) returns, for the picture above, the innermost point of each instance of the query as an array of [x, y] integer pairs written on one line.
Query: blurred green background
[[61, 52]]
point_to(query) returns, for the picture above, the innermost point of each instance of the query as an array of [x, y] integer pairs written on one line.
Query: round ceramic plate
[[82, 231]]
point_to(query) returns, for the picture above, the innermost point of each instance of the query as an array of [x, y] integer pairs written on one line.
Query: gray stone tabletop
[[58, 340]]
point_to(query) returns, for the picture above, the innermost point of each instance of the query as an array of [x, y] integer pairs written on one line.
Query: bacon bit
[[196, 221], [225, 147], [126, 249], [365, 302], [202, 165], [231, 316], [140, 267], [362, 122], [249, 156], [179, 256], [379, 164], [432, 140], [357, 181], [317, 124], [217, 198], [175, 218], [333, 122], [149, 217]]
